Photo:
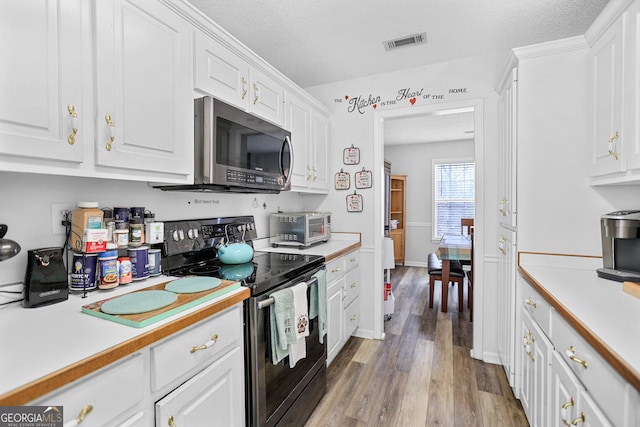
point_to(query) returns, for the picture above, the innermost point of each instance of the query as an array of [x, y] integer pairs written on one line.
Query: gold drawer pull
[[571, 354], [530, 302], [71, 139], [112, 131], [171, 423], [354, 317], [353, 285], [580, 419], [206, 345], [244, 88], [612, 148], [564, 409], [335, 270], [83, 413], [256, 92]]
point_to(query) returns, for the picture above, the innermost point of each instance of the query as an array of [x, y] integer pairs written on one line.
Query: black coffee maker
[[45, 281]]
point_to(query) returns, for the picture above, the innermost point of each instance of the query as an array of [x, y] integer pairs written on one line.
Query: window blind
[[454, 196]]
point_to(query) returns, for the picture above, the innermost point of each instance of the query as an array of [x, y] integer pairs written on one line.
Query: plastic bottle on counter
[[124, 267], [110, 225]]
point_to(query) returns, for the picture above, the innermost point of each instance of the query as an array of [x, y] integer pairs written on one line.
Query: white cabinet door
[[319, 171], [535, 359], [225, 75], [298, 122], [507, 150], [605, 79], [41, 80], [144, 106], [506, 303], [215, 396], [335, 318], [631, 89]]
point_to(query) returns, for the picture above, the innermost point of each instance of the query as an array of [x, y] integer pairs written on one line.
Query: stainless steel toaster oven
[[299, 229]]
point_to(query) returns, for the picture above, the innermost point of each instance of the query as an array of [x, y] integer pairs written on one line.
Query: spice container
[[108, 270], [122, 238], [136, 232], [110, 225]]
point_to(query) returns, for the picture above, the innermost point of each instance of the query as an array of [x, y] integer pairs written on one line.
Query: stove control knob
[[240, 227], [176, 235], [191, 233]]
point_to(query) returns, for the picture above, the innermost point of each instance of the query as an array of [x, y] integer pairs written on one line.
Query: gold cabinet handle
[[244, 88], [171, 422], [530, 302], [612, 146], [580, 419], [571, 354], [501, 207], [335, 270], [83, 413], [71, 139], [353, 260], [256, 94], [501, 243], [565, 411], [354, 317], [206, 345], [112, 131], [353, 285], [528, 340]]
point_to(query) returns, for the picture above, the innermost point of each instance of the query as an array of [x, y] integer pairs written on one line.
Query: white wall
[[453, 81], [415, 161], [25, 206]]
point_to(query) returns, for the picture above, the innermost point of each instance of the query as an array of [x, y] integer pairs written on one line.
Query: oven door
[[272, 389]]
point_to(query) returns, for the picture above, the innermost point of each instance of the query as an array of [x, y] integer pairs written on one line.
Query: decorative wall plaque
[[363, 179], [354, 202], [351, 156], [342, 180]]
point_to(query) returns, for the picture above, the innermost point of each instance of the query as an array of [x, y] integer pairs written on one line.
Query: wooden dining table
[[452, 247]]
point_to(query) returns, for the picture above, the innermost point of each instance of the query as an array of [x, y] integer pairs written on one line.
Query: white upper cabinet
[[310, 138], [614, 104], [507, 148], [224, 74], [144, 105], [41, 82]]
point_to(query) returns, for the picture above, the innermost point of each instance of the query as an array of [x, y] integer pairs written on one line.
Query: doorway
[[428, 115]]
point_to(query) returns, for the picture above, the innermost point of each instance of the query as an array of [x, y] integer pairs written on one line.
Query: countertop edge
[[620, 366], [344, 251], [44, 385]]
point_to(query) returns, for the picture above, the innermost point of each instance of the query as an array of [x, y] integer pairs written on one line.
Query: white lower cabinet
[[563, 380], [343, 290], [112, 396], [212, 397], [535, 359], [194, 377]]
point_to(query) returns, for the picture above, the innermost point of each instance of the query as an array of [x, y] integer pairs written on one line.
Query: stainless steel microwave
[[238, 152], [299, 228]]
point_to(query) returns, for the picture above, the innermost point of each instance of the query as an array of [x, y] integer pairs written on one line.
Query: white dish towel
[[298, 350]]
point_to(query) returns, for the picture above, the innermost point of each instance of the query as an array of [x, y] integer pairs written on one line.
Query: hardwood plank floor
[[421, 374]]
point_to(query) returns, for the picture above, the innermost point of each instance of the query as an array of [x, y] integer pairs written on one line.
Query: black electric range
[[190, 249]]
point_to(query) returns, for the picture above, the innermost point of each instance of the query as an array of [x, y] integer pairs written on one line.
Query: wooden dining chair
[[467, 227], [456, 275]]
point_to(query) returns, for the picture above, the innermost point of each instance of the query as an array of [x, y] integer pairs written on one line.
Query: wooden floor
[[421, 374]]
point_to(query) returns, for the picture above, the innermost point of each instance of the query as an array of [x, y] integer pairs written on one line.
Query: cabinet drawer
[[335, 269], [537, 307], [352, 260], [568, 343], [351, 286], [351, 318], [181, 354], [111, 392]]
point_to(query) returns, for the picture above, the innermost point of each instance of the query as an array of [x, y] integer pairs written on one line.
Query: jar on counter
[[108, 270], [121, 238], [124, 267], [136, 232]]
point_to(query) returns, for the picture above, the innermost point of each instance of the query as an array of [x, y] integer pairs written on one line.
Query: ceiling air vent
[[405, 41]]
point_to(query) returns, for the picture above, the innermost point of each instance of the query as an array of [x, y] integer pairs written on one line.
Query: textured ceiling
[[324, 41]]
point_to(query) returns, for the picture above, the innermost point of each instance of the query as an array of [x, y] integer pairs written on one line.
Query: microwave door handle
[[287, 174]]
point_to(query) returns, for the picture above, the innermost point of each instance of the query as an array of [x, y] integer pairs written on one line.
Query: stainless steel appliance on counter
[[620, 233], [275, 394], [300, 229], [237, 152]]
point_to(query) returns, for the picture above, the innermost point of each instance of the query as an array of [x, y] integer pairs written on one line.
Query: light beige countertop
[[338, 245], [606, 316], [47, 347]]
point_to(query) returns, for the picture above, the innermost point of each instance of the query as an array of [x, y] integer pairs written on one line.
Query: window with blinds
[[453, 196]]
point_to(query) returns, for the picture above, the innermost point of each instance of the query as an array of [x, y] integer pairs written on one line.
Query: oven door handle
[[267, 302]]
